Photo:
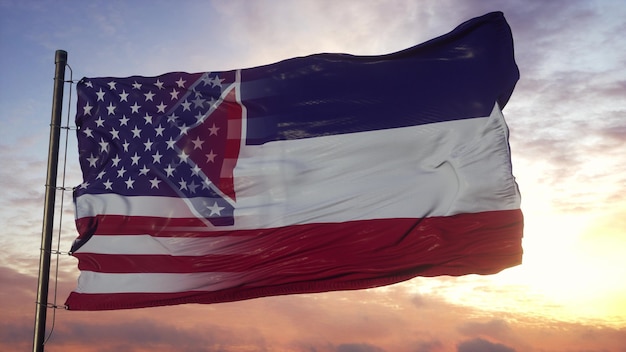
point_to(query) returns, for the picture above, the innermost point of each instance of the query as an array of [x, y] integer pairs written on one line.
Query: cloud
[[428, 346], [23, 177], [480, 345], [16, 334], [358, 347], [307, 27], [496, 328], [153, 334]]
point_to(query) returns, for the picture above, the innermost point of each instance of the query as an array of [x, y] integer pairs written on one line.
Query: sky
[[567, 119]]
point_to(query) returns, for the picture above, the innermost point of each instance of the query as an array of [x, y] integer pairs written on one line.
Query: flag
[[317, 173]]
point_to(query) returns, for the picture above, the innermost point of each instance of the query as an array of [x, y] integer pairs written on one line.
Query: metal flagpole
[[60, 60]]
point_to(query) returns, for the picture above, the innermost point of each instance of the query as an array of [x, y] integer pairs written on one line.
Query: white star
[[87, 109], [92, 160], [186, 105], [121, 172], [135, 158], [136, 85], [135, 108], [125, 145], [159, 84], [199, 117], [197, 143], [148, 144], [213, 130], [148, 118], [169, 170], [129, 183], [124, 120], [206, 184], [136, 132], [104, 146], [143, 171], [84, 185], [192, 187], [161, 107], [115, 134], [183, 156], [215, 209], [172, 118], [198, 102], [112, 85], [100, 122], [88, 84], [159, 130], [124, 96], [217, 82], [154, 183], [181, 83], [206, 80], [101, 175], [183, 184], [210, 158], [100, 95], [88, 131], [196, 170], [174, 94], [156, 158], [116, 160], [183, 129], [149, 95], [170, 143], [108, 184], [111, 109]]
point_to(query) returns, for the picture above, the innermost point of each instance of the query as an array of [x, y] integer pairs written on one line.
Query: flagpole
[[60, 60]]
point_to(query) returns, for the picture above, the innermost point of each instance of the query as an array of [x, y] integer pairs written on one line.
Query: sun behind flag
[[326, 172]]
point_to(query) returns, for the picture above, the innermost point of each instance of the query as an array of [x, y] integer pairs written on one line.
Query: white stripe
[[176, 246], [244, 109], [437, 169], [93, 282]]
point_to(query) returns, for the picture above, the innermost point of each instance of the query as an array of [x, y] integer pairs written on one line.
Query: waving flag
[[325, 172]]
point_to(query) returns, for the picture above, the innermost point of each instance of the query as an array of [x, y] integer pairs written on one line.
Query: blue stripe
[[456, 76]]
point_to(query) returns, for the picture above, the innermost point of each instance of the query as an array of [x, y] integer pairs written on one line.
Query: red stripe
[[322, 257], [233, 142], [119, 225]]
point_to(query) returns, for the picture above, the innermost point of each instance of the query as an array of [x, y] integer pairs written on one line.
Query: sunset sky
[[567, 119]]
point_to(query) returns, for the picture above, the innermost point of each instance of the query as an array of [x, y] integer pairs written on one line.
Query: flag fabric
[[318, 173]]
